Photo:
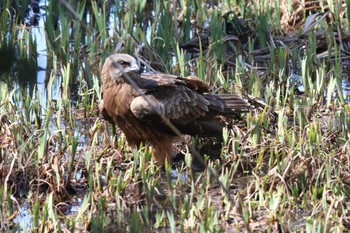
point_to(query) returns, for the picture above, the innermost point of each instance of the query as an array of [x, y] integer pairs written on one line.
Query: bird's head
[[119, 66]]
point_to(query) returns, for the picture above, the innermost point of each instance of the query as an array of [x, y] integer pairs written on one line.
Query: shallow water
[[296, 79], [24, 219]]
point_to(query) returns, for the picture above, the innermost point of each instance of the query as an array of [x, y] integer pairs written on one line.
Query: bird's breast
[[117, 99]]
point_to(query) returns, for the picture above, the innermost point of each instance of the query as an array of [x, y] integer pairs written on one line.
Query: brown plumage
[[183, 101]]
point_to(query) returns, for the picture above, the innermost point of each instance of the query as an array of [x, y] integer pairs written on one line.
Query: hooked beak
[[135, 69]]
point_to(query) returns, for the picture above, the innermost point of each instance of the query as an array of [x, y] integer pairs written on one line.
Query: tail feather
[[229, 103]]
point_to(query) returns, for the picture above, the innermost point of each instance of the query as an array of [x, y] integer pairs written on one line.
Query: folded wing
[[184, 101]]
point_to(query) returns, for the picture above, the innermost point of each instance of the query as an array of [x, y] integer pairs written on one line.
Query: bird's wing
[[176, 98], [182, 98], [185, 102], [151, 81], [178, 103]]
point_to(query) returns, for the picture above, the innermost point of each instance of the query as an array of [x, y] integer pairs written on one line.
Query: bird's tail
[[229, 103]]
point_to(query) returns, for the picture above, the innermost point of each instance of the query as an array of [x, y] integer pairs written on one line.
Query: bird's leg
[[114, 133], [162, 151]]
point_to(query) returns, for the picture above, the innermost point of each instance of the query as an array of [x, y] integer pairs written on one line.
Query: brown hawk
[[142, 114]]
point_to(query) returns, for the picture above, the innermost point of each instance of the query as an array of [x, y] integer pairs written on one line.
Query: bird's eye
[[124, 63]]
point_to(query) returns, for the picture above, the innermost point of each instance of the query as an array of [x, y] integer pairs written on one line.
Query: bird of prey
[[144, 105]]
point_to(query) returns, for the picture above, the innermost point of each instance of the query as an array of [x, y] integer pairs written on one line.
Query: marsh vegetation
[[281, 168]]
